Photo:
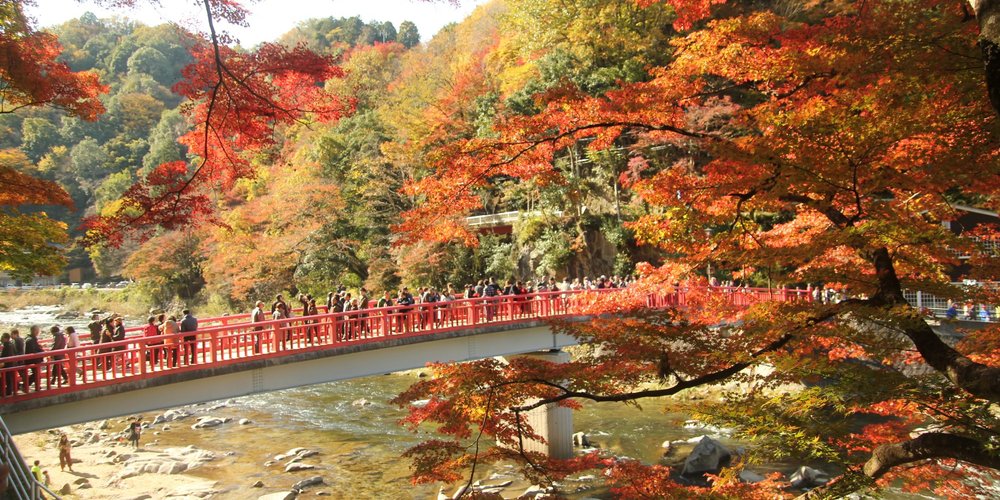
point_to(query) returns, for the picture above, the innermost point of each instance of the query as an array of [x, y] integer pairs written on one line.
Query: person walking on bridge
[[31, 346], [58, 371], [7, 351], [73, 341], [169, 329], [150, 334], [15, 337], [189, 325], [95, 326], [257, 316], [279, 304]]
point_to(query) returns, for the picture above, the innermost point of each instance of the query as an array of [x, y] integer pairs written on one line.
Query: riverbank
[[240, 449], [126, 301]]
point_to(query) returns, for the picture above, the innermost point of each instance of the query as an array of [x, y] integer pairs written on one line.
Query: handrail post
[[72, 368], [215, 347], [142, 357]]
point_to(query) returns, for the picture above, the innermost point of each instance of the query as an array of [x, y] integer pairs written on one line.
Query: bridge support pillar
[[551, 422]]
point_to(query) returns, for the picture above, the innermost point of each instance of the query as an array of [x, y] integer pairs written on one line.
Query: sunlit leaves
[[781, 147], [237, 101], [32, 76]]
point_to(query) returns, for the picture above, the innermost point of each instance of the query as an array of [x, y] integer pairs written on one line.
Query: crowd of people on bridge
[[171, 340], [106, 330], [167, 349]]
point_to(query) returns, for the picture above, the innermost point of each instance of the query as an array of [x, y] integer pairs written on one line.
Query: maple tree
[[29, 242], [266, 248], [238, 98], [821, 145], [31, 76]]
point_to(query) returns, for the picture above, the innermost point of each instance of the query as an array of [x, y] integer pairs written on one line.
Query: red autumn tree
[[237, 100], [31, 76], [822, 146]]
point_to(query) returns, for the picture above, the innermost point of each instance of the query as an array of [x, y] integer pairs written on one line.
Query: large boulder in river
[[170, 416], [206, 422], [708, 455], [169, 461]]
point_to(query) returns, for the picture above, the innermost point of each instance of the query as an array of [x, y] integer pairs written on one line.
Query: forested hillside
[[322, 206]]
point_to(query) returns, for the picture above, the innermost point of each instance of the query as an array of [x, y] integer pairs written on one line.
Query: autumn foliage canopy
[[781, 143], [824, 144]]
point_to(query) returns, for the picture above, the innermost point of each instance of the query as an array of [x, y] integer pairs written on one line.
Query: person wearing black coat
[[31, 346], [189, 324], [8, 350]]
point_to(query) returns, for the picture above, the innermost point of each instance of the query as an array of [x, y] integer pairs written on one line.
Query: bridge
[[234, 357]]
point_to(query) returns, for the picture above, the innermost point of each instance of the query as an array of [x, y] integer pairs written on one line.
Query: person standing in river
[[189, 324]]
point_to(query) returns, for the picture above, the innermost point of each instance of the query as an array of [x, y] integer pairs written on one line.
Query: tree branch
[[930, 445], [988, 16], [708, 378], [975, 378]]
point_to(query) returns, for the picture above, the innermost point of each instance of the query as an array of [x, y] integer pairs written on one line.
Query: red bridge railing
[[236, 340]]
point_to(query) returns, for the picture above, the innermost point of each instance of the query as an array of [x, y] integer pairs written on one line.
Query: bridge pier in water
[[552, 422]]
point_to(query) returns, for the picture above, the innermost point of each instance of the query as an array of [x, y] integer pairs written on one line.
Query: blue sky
[[269, 18]]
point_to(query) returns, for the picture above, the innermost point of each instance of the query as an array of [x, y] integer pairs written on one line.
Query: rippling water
[[361, 445]]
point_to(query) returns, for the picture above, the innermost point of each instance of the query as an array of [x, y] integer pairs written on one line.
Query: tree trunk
[[930, 445], [988, 16], [975, 378]]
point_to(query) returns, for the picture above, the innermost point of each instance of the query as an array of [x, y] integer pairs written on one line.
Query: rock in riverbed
[[170, 461], [807, 477], [708, 455], [295, 467], [206, 422], [305, 483]]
